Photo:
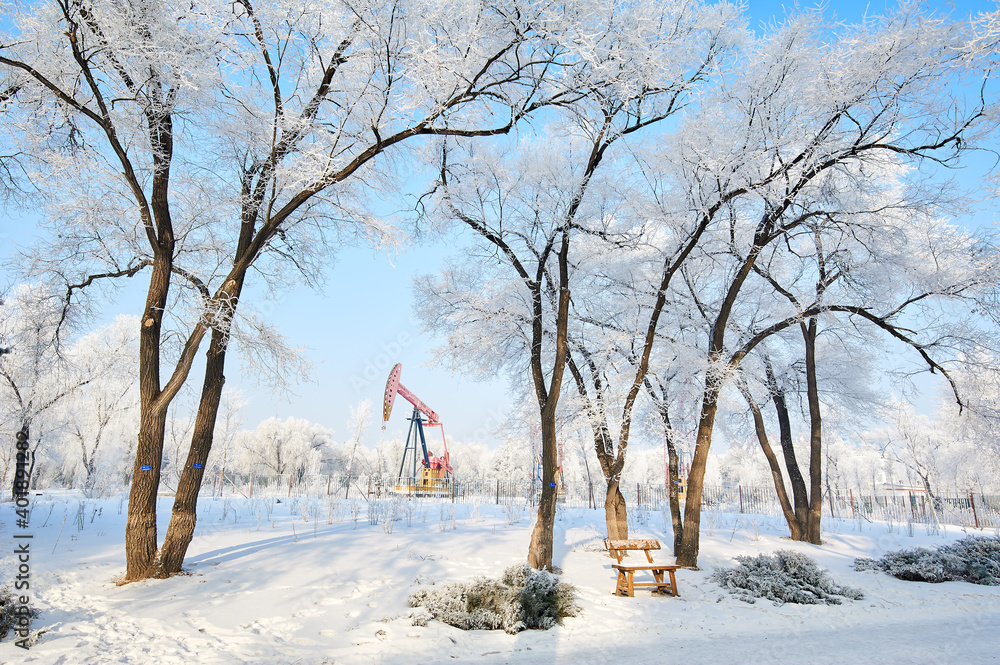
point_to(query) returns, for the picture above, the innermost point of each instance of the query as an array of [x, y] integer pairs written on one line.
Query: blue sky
[[363, 322]]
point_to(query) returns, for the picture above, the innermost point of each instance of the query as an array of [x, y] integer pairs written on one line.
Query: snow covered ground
[[303, 582]]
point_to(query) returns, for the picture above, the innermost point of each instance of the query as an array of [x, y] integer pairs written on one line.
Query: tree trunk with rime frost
[[140, 528], [540, 550], [184, 516], [616, 512]]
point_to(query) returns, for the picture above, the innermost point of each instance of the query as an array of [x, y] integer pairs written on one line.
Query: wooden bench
[[626, 583]]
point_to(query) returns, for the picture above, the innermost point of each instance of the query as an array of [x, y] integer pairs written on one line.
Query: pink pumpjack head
[[391, 388]]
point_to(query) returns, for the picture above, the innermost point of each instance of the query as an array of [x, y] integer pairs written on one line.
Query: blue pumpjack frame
[[416, 431]]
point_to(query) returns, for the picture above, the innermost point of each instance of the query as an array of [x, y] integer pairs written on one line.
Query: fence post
[[975, 515], [740, 488]]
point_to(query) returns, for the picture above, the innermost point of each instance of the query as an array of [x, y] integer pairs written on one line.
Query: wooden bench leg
[[626, 584], [662, 587], [621, 586]]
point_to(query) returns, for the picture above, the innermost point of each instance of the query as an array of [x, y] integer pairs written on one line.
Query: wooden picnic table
[[626, 583]]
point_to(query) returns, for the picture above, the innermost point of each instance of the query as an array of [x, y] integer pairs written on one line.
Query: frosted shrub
[[545, 600], [980, 556], [14, 616], [974, 559], [915, 565], [517, 576], [522, 598], [782, 577]]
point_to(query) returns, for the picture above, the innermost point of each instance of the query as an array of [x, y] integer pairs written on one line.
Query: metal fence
[[894, 506]]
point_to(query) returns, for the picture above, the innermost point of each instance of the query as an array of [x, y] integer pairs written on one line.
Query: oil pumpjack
[[424, 475]]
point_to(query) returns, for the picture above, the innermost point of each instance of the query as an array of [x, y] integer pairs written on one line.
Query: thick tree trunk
[[687, 553], [615, 512], [184, 516], [140, 528], [615, 509], [540, 550], [674, 494], [815, 438]]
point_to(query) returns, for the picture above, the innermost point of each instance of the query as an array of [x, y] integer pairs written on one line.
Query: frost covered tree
[[357, 424], [512, 460], [883, 267], [978, 422], [630, 335], [293, 446], [921, 446], [103, 413], [815, 114], [35, 375], [214, 142], [955, 448], [509, 305]]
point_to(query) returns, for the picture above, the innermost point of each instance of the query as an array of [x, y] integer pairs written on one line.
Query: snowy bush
[[13, 615], [974, 559], [916, 565], [783, 577], [522, 598], [545, 600]]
